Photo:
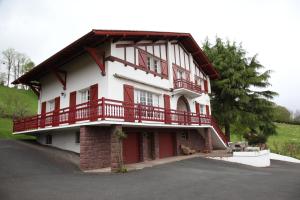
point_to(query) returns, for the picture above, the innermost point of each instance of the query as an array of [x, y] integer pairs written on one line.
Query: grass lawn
[[286, 142], [6, 130], [8, 97]]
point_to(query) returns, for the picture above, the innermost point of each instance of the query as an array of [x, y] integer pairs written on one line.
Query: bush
[[255, 138]]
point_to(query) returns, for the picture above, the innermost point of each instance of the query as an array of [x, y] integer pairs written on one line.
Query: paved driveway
[[27, 173]]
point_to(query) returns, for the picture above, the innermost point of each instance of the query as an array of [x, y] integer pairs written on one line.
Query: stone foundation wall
[[95, 147], [194, 141]]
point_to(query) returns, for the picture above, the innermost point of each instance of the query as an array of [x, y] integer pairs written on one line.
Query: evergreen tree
[[240, 96]]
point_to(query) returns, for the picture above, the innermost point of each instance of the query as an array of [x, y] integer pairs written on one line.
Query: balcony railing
[[108, 109], [182, 83]]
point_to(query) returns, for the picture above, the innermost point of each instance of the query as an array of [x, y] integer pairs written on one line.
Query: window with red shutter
[[167, 109], [72, 107], [55, 118], [197, 107], [142, 59], [164, 68], [128, 103], [207, 110], [205, 86], [93, 102], [43, 115]]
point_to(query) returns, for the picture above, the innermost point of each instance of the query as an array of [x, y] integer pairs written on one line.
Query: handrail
[[182, 83], [104, 108]]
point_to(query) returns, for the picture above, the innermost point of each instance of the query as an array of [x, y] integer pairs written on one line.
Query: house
[[153, 86]]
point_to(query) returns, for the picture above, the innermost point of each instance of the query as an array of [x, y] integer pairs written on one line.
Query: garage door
[[131, 152], [166, 145]]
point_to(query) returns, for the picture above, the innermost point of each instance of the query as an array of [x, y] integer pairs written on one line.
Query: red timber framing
[[142, 55], [61, 76], [36, 88], [99, 58]]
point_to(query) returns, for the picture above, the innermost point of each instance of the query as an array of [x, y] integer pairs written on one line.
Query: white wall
[[63, 139], [83, 72]]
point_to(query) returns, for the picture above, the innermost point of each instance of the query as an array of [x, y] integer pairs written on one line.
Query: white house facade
[[154, 86]]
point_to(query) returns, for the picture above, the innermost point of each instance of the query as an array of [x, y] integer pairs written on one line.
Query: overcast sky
[[39, 28]]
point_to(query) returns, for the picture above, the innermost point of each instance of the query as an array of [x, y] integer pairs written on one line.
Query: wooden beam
[[35, 89], [98, 57], [61, 76]]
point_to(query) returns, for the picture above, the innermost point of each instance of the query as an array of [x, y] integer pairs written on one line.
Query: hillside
[[14, 100], [286, 142]]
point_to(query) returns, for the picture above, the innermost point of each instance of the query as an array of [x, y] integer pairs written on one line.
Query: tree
[[282, 114], [297, 116], [239, 96], [16, 63], [9, 60], [2, 78]]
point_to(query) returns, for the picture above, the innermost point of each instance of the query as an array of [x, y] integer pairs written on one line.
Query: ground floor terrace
[[100, 146]]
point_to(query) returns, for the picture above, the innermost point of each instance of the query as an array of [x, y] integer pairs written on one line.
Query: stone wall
[[95, 147]]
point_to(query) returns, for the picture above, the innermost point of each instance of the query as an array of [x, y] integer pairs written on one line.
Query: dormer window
[[153, 64], [180, 74]]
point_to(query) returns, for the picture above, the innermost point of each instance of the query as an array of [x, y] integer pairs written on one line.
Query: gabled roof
[[96, 37]]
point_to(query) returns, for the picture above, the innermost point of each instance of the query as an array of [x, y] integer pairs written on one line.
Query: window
[[48, 139], [202, 107], [197, 81], [153, 64], [77, 137], [180, 74], [146, 98], [84, 95], [51, 105], [185, 135]]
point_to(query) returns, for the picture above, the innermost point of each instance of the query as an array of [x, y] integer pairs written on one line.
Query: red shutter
[[164, 68], [174, 73], [72, 108], [93, 102], [55, 118], [197, 106], [205, 86], [207, 110], [167, 109], [128, 103], [142, 58], [43, 114]]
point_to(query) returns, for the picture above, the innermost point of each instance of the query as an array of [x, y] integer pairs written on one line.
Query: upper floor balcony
[[188, 88]]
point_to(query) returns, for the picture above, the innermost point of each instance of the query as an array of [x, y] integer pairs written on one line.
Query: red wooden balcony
[[187, 87], [111, 110]]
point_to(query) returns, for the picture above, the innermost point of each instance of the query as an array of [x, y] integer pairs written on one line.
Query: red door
[[131, 152], [166, 144]]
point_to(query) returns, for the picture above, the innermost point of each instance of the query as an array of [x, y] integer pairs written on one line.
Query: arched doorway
[[183, 108], [183, 104]]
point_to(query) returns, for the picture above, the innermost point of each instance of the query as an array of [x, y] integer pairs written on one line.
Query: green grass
[[286, 142], [10, 99], [27, 97], [6, 130]]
